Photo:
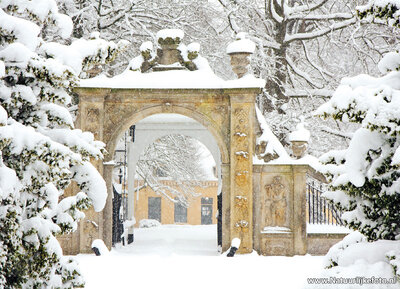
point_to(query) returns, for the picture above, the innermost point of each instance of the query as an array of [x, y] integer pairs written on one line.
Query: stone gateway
[[262, 204]]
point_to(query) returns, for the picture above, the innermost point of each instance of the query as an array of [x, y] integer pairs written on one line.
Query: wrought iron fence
[[319, 210]]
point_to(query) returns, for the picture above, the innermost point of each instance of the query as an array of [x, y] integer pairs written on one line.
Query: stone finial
[[299, 140], [240, 51], [146, 50], [169, 40]]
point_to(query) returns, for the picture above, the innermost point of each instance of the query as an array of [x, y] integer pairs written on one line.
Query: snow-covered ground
[[174, 256], [324, 228]]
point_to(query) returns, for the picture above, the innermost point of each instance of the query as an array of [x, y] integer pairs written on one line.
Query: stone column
[[242, 116], [91, 116], [299, 209], [226, 207], [107, 211], [257, 207]]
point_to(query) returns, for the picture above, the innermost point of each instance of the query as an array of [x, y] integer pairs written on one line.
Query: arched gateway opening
[[179, 81], [168, 171]]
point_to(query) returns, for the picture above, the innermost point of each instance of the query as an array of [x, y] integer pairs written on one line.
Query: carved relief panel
[[275, 204]]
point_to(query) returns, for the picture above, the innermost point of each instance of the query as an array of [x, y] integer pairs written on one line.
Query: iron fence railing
[[319, 210]]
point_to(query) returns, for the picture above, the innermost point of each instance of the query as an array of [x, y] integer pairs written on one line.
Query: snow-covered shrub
[[334, 253], [41, 151], [354, 263], [365, 177], [148, 223], [381, 11], [394, 260]]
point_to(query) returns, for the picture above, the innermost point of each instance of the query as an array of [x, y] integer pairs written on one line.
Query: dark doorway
[[118, 227], [219, 220]]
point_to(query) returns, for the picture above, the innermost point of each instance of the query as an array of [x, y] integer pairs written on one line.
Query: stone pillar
[[242, 116], [91, 116], [226, 207], [107, 211], [299, 209], [257, 189], [240, 62]]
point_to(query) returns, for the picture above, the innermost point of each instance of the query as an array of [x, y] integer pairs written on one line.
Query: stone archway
[[152, 128], [263, 203], [229, 114]]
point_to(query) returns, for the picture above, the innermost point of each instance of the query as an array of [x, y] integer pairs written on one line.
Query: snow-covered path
[[186, 257]]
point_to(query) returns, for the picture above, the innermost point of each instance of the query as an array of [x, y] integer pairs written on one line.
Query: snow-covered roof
[[274, 146], [171, 79], [185, 70]]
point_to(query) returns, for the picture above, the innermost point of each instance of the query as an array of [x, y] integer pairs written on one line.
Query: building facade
[[202, 210]]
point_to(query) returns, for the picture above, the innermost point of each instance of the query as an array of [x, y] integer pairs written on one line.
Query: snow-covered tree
[[286, 32], [298, 43], [384, 12], [365, 176], [173, 157], [41, 152]]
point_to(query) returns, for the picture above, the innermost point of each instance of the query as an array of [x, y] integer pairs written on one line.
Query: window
[[154, 208], [206, 211], [180, 213]]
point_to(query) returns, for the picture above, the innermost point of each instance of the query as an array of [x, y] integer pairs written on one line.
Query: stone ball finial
[[146, 49], [240, 51], [299, 140], [193, 50], [169, 40]]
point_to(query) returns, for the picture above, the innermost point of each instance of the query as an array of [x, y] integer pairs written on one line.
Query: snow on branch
[[274, 14], [324, 93], [306, 8], [334, 16], [301, 73], [321, 70], [320, 32]]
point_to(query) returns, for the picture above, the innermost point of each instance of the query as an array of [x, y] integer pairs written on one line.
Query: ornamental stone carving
[[275, 203], [241, 152]]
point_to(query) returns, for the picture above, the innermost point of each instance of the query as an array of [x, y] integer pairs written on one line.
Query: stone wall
[[320, 243], [279, 209]]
